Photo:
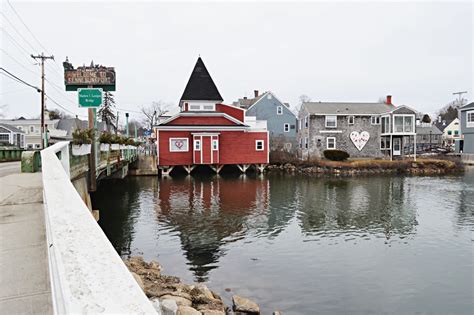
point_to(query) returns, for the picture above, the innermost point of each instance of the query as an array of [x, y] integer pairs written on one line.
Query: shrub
[[82, 136], [106, 137], [336, 155]]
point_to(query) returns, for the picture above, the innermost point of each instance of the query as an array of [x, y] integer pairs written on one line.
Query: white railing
[[87, 275]]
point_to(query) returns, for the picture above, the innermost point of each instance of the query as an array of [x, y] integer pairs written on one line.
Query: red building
[[207, 132]]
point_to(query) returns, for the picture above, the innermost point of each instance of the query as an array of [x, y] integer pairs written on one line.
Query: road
[[7, 168]]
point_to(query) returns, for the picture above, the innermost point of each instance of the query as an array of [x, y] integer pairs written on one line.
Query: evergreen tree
[[106, 111]]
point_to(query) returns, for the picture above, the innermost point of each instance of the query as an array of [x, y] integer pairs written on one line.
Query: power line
[[12, 76], [16, 43], [64, 108], [16, 30], [15, 60]]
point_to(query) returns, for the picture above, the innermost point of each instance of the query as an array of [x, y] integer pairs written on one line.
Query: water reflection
[[207, 215]]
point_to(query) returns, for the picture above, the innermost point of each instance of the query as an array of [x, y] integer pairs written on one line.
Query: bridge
[[54, 258]]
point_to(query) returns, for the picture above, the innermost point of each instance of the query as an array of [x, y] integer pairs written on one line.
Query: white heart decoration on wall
[[360, 139]]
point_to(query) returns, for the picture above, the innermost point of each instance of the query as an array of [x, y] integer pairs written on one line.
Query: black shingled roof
[[200, 86]]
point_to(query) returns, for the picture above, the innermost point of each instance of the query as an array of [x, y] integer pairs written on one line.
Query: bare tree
[[154, 111], [302, 99]]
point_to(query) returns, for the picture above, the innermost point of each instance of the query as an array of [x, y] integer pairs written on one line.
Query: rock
[[181, 301], [156, 305], [205, 291], [213, 312], [169, 307], [187, 310], [244, 305], [138, 280]]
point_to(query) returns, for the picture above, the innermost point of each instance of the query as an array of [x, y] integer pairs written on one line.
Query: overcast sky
[[355, 51]]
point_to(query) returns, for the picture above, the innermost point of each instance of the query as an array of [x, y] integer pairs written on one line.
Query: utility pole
[[43, 129], [460, 99]]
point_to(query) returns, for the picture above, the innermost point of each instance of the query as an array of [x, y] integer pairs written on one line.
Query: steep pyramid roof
[[200, 86]]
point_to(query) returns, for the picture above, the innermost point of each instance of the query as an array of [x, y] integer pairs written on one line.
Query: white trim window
[[350, 120], [375, 120], [286, 127], [259, 145], [385, 124], [331, 121], [403, 123], [179, 145], [470, 119], [279, 110], [300, 122], [306, 123], [301, 143], [32, 128], [306, 142], [331, 143], [215, 145], [197, 145]]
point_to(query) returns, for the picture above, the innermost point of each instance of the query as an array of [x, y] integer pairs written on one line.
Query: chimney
[[245, 97], [439, 119], [255, 92], [389, 100]]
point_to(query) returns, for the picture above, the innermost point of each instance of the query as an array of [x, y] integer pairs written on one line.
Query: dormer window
[[201, 107]]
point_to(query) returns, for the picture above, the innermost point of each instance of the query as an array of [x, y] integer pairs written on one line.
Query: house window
[[215, 145], [4, 137], [301, 143], [197, 145], [279, 110], [32, 128], [456, 133], [450, 132], [403, 123], [300, 124], [286, 127], [29, 146], [306, 124], [386, 124], [470, 119], [385, 143], [259, 145], [331, 121], [306, 142], [350, 120], [375, 120], [37, 146], [20, 127], [179, 145], [330, 143]]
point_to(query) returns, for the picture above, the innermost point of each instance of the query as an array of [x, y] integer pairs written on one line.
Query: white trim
[[284, 127], [198, 128], [327, 143], [187, 144], [205, 133], [330, 131], [403, 124], [216, 114], [263, 145], [326, 121], [212, 144], [373, 120], [196, 145], [469, 124], [279, 110]]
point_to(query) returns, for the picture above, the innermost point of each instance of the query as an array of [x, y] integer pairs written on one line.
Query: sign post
[[90, 82]]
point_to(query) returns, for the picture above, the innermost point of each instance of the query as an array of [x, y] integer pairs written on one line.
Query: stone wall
[[317, 134]]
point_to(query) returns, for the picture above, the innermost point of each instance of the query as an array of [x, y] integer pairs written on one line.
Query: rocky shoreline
[[172, 297], [361, 168]]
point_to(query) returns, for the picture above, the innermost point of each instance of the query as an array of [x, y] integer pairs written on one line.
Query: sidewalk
[[24, 277]]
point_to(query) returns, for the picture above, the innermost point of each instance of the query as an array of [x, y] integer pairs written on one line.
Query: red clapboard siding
[[235, 147], [233, 111], [202, 121]]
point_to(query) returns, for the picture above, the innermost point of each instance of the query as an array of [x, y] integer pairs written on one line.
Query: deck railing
[[87, 275]]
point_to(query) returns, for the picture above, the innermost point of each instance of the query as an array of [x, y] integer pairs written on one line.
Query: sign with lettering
[[95, 76], [90, 97]]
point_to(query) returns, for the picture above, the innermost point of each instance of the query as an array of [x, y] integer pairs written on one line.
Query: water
[[303, 245]]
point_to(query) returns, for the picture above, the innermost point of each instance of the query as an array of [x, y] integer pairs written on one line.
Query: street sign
[[90, 97]]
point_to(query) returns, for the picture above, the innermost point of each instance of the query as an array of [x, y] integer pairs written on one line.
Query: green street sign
[[90, 97]]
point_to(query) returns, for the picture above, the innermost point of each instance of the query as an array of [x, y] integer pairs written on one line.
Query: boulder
[[205, 291], [169, 307], [212, 312], [138, 280], [244, 306], [187, 310], [181, 301]]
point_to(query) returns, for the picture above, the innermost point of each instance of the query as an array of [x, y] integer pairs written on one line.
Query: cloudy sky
[[345, 51]]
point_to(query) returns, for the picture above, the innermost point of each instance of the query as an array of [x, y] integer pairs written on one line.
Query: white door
[[397, 146]]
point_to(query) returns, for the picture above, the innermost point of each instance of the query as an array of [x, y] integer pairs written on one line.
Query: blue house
[[281, 121], [467, 128]]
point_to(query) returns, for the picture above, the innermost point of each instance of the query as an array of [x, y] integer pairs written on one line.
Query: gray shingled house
[[364, 130], [428, 136]]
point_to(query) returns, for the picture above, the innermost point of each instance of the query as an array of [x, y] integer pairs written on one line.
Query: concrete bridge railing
[[87, 275]]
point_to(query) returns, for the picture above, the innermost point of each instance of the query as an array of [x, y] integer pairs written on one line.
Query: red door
[[206, 150]]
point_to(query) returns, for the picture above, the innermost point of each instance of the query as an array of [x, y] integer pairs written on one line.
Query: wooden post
[[92, 157]]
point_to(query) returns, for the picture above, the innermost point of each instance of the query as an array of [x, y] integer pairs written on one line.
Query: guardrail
[[87, 275]]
